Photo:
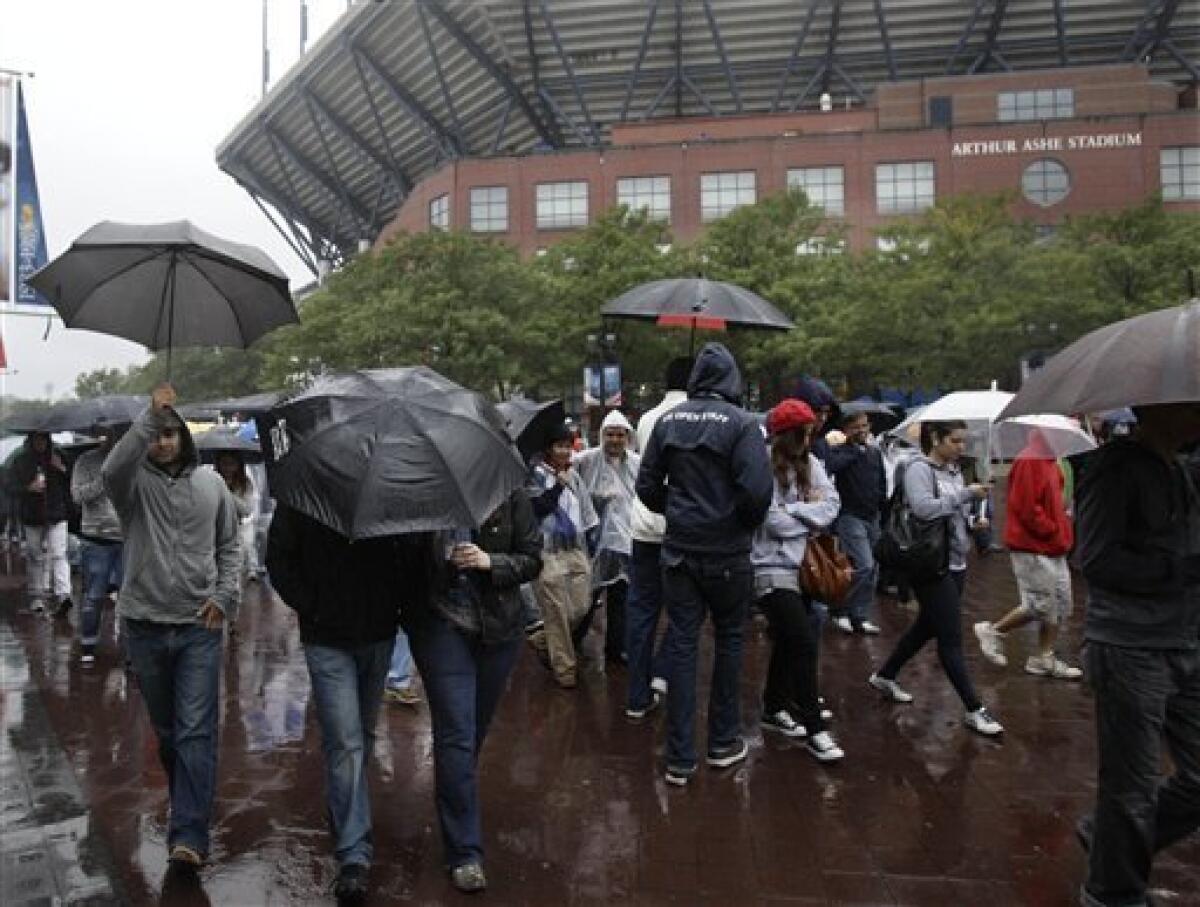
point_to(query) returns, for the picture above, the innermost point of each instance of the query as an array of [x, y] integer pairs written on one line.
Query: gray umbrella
[[1152, 358], [80, 415], [217, 441], [696, 303], [167, 285]]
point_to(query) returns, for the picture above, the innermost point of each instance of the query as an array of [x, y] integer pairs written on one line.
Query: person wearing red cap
[[804, 501]]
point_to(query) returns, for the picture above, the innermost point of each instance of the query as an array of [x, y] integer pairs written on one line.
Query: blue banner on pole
[[30, 236]]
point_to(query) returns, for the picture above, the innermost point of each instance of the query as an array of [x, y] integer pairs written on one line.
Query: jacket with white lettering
[[706, 465]]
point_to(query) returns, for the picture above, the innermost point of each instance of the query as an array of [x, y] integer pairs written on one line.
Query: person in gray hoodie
[[100, 537], [181, 585]]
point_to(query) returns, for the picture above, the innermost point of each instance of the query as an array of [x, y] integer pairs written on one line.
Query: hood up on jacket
[[716, 374], [189, 454], [816, 393], [1037, 447]]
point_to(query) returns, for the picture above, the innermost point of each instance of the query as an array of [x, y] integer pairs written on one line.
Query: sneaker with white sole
[[726, 756], [991, 643], [1050, 666], [659, 685], [678, 775], [843, 624], [783, 722], [890, 688], [638, 714], [866, 628], [824, 748], [982, 722], [826, 714]]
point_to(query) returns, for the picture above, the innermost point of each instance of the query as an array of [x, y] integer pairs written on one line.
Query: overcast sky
[[127, 105]]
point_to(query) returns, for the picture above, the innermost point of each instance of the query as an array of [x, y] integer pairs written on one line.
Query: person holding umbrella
[[182, 547], [38, 475], [101, 537]]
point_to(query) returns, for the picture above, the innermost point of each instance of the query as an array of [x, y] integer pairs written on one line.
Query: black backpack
[[918, 549]]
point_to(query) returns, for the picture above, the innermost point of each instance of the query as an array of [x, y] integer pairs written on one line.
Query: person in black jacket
[[465, 637], [706, 469], [38, 476], [1138, 536], [347, 597]]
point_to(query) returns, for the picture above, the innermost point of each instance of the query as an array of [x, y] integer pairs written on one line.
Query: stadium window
[[651, 193], [439, 213], [824, 186], [721, 193], [489, 209], [562, 205], [904, 188], [1045, 182], [1040, 104], [1180, 172]]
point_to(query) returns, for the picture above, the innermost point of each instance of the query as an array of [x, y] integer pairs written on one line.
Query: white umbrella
[[979, 409], [1062, 436]]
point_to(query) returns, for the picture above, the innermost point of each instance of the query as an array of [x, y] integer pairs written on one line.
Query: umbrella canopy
[[1061, 437], [167, 285], [388, 451], [1157, 356], [696, 303], [250, 405], [868, 405], [530, 422], [221, 440], [80, 415]]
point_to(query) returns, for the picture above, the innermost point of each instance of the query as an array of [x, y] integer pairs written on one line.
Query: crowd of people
[[701, 512]]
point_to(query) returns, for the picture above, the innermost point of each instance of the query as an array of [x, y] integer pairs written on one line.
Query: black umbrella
[[530, 422], [696, 303], [217, 441], [1152, 358], [80, 415], [167, 285], [250, 405], [374, 453]]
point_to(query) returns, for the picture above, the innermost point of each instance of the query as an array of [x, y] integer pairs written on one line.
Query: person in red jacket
[[1039, 535]]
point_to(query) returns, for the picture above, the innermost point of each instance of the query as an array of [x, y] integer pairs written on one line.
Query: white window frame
[[562, 205], [439, 212], [824, 186], [1035, 104], [905, 187], [1179, 173], [649, 193], [485, 202], [1044, 186], [725, 191]]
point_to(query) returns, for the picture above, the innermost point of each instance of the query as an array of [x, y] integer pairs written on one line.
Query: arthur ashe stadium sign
[[1043, 143]]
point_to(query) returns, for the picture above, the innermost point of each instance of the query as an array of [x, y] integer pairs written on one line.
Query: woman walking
[[934, 491], [232, 469], [805, 501], [465, 638]]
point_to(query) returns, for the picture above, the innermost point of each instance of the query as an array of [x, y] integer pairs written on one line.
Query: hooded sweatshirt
[[780, 541], [1037, 521], [40, 508], [100, 522], [706, 466], [181, 532]]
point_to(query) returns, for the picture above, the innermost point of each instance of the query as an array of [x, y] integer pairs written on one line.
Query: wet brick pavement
[[921, 812]]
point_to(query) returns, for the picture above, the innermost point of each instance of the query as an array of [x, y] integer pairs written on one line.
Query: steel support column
[[888, 55], [720, 43], [641, 58], [570, 71], [795, 55], [441, 138]]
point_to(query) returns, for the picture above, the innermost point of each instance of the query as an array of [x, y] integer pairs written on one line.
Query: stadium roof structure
[[395, 89]]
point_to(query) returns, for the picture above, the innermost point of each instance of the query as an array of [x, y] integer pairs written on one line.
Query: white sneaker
[[843, 624], [824, 748], [1050, 666], [868, 628], [783, 722], [659, 685], [982, 722], [889, 688], [991, 643]]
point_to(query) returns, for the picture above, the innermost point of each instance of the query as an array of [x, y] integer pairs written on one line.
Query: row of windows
[[901, 188], [1041, 104]]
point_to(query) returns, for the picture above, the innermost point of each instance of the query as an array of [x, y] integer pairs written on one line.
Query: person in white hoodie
[[648, 670], [805, 501]]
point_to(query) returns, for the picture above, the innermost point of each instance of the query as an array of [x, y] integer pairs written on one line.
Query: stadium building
[[524, 119]]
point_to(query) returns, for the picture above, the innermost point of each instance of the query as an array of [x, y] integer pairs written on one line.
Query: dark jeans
[[101, 566], [939, 618], [692, 588], [464, 680], [614, 597], [643, 607], [1142, 696], [792, 672], [178, 669], [347, 688]]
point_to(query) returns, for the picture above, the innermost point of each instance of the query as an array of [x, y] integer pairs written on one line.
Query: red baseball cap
[[788, 414]]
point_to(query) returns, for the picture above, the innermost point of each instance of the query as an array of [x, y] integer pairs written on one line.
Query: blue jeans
[[693, 587], [1143, 698], [101, 564], [643, 605], [178, 668], [347, 688], [858, 538], [464, 680], [399, 675]]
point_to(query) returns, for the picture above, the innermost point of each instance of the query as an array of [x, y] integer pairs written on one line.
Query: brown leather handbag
[[826, 571]]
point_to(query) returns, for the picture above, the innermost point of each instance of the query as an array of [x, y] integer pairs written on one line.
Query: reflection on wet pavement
[[920, 812]]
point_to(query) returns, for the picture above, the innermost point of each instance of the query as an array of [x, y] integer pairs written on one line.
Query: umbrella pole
[[171, 315], [692, 340]]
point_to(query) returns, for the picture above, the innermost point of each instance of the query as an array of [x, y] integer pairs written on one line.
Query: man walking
[[38, 477], [100, 537], [181, 538], [1038, 532], [1139, 544], [706, 469], [644, 605]]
